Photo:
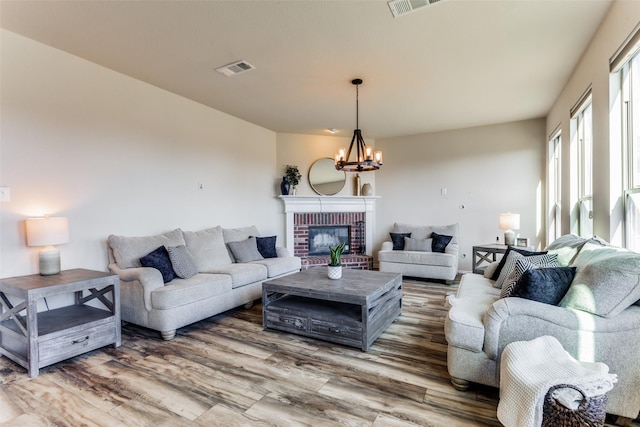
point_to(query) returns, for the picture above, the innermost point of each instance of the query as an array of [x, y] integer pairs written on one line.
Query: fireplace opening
[[322, 237]]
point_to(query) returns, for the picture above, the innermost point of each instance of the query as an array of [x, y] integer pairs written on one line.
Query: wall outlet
[[5, 194]]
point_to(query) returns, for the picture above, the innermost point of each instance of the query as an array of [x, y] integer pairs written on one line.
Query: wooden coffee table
[[353, 311]]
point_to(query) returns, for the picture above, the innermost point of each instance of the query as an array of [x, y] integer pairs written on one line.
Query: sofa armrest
[[452, 249], [519, 319], [387, 246], [148, 278], [282, 252]]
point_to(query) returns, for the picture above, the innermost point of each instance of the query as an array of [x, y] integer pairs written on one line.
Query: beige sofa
[[417, 259], [220, 283], [596, 320]]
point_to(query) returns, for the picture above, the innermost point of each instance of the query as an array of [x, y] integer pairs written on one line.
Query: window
[[631, 138], [626, 63], [582, 124], [553, 190]]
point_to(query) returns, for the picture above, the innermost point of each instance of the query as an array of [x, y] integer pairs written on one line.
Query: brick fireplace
[[355, 212]]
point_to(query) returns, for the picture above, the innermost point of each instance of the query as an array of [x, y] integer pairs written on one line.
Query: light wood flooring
[[228, 371]]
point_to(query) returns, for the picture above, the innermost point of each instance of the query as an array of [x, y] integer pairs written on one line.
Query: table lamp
[[48, 231], [509, 222]]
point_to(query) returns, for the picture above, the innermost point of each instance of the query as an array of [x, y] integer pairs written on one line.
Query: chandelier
[[365, 159]]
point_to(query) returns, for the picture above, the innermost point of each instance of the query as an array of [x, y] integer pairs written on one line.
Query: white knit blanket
[[529, 368]]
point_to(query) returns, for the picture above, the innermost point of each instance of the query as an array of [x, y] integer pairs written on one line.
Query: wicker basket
[[590, 413]]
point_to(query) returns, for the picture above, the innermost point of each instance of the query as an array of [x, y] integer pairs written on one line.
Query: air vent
[[403, 7], [236, 68]]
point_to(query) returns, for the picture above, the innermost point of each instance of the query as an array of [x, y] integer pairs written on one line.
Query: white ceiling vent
[[236, 68], [403, 7]]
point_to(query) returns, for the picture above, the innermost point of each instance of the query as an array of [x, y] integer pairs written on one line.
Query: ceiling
[[449, 65]]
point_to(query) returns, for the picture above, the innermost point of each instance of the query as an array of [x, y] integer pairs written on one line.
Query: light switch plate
[[5, 194]]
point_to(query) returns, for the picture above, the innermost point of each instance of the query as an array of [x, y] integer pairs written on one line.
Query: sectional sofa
[[210, 271], [589, 301]]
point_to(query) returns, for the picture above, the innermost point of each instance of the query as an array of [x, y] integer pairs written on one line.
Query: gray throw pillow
[[245, 250], [607, 281], [421, 245], [182, 261], [523, 265]]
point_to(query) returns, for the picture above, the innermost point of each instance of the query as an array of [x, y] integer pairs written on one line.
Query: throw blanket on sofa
[[529, 368]]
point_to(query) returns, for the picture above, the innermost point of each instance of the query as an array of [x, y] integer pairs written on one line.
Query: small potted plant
[[293, 176], [335, 264]]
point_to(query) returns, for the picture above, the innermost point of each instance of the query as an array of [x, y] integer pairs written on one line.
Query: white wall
[[116, 155], [593, 70], [485, 170]]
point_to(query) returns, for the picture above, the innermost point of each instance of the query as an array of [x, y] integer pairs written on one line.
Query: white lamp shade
[[47, 231], [509, 221]]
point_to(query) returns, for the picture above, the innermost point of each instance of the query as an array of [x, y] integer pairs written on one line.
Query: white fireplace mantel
[[328, 204]]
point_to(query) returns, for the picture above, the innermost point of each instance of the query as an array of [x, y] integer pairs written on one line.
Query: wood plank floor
[[228, 371]]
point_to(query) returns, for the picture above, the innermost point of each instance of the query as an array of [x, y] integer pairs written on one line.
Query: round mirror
[[324, 178]]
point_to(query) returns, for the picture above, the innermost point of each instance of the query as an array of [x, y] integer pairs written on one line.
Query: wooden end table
[[35, 339], [486, 254]]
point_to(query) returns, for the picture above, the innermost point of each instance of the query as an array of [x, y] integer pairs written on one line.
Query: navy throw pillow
[[159, 259], [440, 242], [524, 252], [547, 285], [267, 246], [398, 240]]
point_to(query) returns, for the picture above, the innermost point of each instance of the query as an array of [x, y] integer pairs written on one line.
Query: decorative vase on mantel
[[285, 186], [293, 191]]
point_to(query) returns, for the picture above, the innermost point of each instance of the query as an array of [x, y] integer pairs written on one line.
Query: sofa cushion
[[182, 261], [523, 265], [424, 231], [416, 257], [159, 259], [281, 265], [566, 247], [238, 234], [186, 291], [208, 248], [267, 246], [398, 240], [243, 274], [422, 245], [245, 250], [490, 269], [464, 326], [607, 280], [439, 242], [127, 251], [547, 285], [503, 260]]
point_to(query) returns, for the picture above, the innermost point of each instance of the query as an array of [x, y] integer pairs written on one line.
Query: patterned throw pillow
[[182, 261], [398, 240], [159, 259], [510, 264], [503, 260], [523, 265]]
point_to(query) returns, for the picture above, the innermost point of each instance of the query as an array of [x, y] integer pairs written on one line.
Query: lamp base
[[509, 238], [49, 261]]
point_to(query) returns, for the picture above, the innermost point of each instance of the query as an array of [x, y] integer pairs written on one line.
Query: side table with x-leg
[[486, 254]]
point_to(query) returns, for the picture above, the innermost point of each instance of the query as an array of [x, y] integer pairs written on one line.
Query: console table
[[35, 339]]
